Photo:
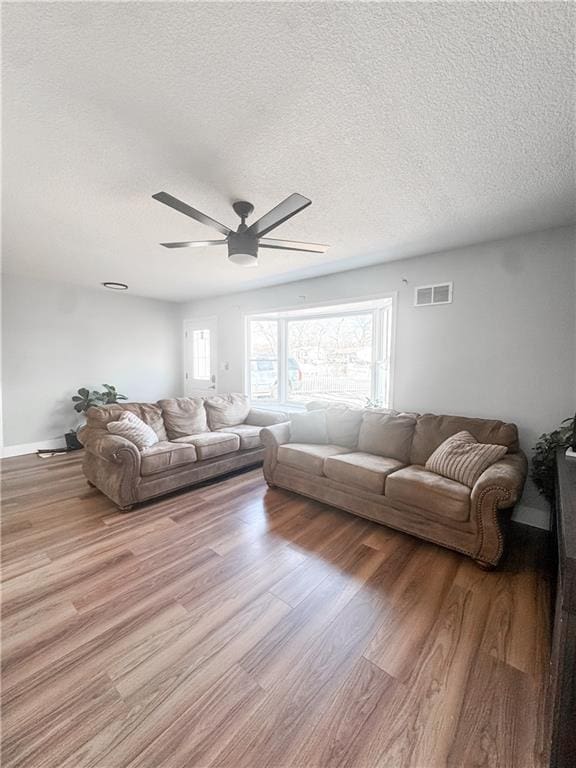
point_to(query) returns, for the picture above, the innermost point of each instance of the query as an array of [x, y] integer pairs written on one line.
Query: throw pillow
[[133, 429], [184, 416], [463, 459], [226, 410], [308, 427]]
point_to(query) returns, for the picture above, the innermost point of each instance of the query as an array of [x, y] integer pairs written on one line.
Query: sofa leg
[[90, 484], [485, 566], [126, 509]]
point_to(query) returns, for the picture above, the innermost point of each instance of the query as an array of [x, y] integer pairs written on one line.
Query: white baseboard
[[538, 518], [22, 450]]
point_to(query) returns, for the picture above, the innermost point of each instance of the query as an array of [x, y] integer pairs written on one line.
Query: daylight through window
[[339, 353]]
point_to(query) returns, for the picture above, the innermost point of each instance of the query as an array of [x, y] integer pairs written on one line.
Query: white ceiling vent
[[427, 295]]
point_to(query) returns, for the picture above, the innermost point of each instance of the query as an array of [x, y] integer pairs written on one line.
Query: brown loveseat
[[373, 465], [199, 438]]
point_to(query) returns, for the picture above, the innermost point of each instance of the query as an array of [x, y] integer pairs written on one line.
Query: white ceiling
[[413, 128]]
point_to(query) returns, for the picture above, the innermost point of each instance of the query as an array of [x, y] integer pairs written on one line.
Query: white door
[[200, 362]]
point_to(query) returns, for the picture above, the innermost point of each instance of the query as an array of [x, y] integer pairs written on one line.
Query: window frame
[[383, 306]]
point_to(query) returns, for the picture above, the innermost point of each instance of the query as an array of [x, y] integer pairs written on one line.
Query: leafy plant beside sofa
[[85, 399], [543, 460]]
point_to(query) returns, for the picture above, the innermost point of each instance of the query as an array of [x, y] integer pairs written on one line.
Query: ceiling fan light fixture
[[243, 259], [243, 249]]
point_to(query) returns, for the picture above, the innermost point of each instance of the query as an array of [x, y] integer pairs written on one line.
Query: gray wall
[[58, 337], [505, 347]]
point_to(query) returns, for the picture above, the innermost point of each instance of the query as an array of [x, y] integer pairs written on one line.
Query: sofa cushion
[[343, 425], [364, 470], [211, 444], [306, 456], [260, 417], [462, 458], [133, 429], [432, 430], [249, 435], [183, 416], [166, 455], [99, 416], [387, 435], [226, 410], [428, 492], [309, 427]]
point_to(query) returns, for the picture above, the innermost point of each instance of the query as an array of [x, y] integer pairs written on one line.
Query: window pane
[[201, 354], [264, 339], [264, 359], [264, 379], [330, 358]]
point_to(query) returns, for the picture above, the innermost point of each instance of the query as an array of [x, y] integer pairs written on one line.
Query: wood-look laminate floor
[[242, 627]]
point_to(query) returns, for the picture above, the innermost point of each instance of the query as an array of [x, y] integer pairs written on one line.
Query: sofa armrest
[[110, 447], [505, 479], [258, 417], [112, 464], [498, 487], [272, 438]]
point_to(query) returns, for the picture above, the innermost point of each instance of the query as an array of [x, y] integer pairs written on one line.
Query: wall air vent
[[426, 295]]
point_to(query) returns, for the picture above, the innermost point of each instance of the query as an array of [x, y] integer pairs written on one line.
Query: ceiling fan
[[244, 243]]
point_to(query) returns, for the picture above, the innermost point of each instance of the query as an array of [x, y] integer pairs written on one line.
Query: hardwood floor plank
[[277, 653], [23, 565], [421, 720], [287, 715], [161, 693], [237, 625], [189, 739], [336, 738], [494, 730], [78, 714], [415, 600], [53, 675], [296, 586]]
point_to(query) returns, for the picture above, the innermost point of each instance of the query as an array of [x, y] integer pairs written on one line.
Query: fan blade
[[194, 243], [292, 245], [187, 210], [281, 213]]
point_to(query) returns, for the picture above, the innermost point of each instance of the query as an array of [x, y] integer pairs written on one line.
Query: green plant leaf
[[544, 457]]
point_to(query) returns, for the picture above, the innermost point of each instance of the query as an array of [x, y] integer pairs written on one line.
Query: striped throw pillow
[[133, 429], [462, 458]]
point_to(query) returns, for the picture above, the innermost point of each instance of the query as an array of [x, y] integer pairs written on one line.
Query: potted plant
[[86, 398], [545, 454]]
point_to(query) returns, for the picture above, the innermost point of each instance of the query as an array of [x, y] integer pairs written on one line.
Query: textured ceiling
[[413, 127]]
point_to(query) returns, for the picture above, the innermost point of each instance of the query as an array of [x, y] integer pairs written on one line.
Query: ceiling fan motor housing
[[243, 249]]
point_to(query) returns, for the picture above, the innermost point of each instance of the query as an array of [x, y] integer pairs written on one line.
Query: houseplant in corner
[[86, 398], [544, 457]]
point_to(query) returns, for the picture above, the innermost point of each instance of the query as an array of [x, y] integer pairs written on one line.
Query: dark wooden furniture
[[563, 662]]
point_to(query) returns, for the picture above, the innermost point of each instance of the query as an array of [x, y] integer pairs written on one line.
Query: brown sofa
[[373, 465], [199, 438]]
